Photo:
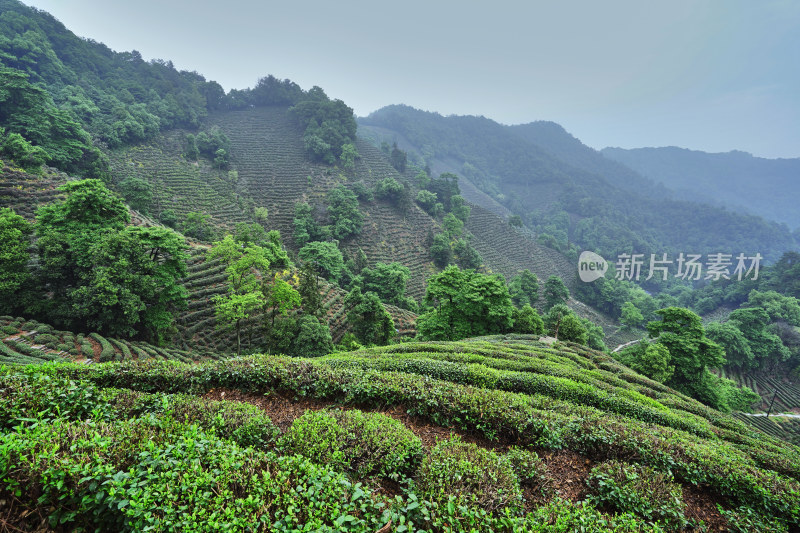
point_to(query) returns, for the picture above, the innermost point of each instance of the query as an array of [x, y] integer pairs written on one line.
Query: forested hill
[[737, 180], [567, 192]]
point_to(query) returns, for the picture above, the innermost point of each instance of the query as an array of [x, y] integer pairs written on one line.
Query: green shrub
[[563, 516], [366, 444], [107, 352], [523, 419], [30, 396], [139, 476], [464, 469], [527, 465], [745, 520], [638, 489], [45, 338], [9, 330]]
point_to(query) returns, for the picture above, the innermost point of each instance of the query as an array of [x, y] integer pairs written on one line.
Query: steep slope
[[765, 187], [274, 172]]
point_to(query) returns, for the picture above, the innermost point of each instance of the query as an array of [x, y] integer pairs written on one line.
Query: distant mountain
[[765, 187], [556, 140], [567, 192]]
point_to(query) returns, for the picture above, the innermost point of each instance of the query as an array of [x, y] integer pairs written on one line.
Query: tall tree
[[465, 303], [244, 298], [14, 241], [555, 292], [524, 288], [681, 332], [368, 319], [95, 272]]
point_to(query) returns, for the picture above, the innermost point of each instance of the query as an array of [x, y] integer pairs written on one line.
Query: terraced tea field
[[25, 193], [197, 325], [29, 342], [181, 185], [498, 433]]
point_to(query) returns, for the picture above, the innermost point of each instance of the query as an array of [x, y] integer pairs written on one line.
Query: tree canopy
[[465, 303]]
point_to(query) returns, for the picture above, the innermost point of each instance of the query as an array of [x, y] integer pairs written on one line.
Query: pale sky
[[712, 75]]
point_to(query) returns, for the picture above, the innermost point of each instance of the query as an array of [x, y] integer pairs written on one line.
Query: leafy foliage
[[388, 281], [639, 490], [97, 273], [465, 304], [368, 318], [480, 476], [329, 125], [366, 444], [14, 240]]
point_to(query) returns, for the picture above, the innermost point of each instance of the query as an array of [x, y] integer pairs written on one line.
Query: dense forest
[[318, 323]]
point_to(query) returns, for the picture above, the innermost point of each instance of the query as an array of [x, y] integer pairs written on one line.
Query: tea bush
[[365, 444]]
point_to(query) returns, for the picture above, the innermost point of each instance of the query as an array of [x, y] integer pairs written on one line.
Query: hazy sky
[[701, 74]]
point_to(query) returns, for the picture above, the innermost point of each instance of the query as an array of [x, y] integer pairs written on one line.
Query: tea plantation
[[500, 433]]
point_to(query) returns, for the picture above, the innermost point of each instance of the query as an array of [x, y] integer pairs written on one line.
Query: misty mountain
[[570, 194], [738, 180]]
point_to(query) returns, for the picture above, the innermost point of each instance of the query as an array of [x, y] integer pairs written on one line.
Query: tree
[[453, 227], [738, 353], [96, 273], [308, 287], [524, 288], [650, 359], [459, 209], [398, 158], [343, 211], [691, 353], [138, 193], [466, 255], [368, 319], [563, 324], [169, 218], [249, 234], [440, 250], [245, 265], [765, 345], [197, 226], [389, 189], [515, 221], [555, 292], [326, 258], [528, 321], [631, 317], [388, 281], [14, 241], [281, 297], [306, 228], [426, 200], [780, 308], [313, 338], [595, 336], [303, 337], [349, 156], [465, 304]]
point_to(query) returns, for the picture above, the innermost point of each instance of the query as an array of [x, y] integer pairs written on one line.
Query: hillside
[[568, 193], [273, 171], [505, 433], [737, 180]]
